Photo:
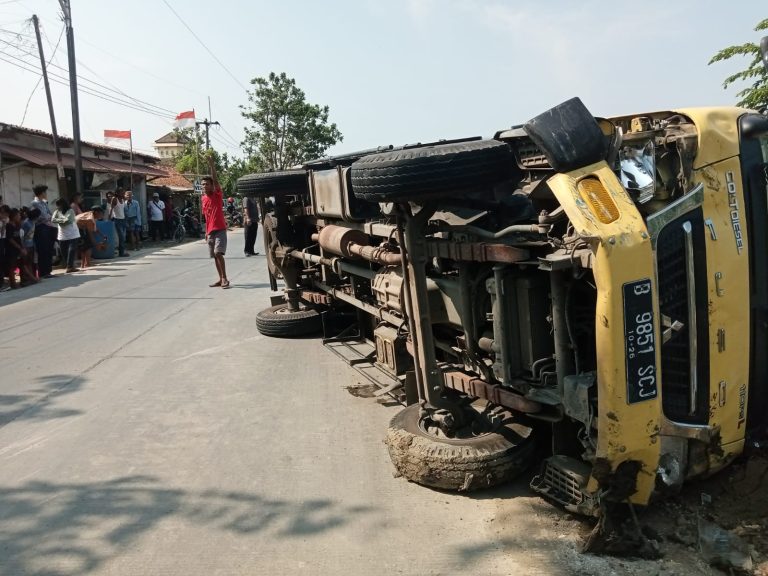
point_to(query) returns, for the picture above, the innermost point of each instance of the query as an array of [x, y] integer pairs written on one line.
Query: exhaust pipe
[[351, 243]]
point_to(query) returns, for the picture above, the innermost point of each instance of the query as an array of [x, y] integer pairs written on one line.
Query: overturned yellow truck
[[581, 294]]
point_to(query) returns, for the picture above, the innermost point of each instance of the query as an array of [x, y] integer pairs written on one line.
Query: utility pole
[[54, 132], [67, 12], [207, 123]]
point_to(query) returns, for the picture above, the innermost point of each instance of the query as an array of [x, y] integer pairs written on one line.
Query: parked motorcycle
[[234, 218], [191, 223]]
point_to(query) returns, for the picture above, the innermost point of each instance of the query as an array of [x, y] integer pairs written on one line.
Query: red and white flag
[[185, 120], [117, 138]]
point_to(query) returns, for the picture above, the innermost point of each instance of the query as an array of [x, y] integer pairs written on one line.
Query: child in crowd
[[91, 236], [16, 252], [30, 217]]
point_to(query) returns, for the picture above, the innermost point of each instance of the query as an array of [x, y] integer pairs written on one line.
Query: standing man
[[107, 207], [156, 209], [251, 223], [45, 232], [215, 224], [118, 217], [133, 220]]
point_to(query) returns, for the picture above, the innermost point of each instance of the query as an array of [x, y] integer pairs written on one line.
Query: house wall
[[168, 150], [16, 184]]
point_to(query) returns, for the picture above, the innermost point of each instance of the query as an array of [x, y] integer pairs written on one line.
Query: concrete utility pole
[[207, 125], [67, 12], [54, 132]]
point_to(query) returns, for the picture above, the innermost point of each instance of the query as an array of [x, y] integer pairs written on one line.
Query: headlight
[[638, 171]]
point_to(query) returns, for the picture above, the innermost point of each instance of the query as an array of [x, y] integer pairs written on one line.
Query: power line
[[26, 108], [87, 90], [224, 143], [136, 104], [230, 135], [86, 79], [139, 68], [204, 46], [116, 89], [225, 138], [15, 33]]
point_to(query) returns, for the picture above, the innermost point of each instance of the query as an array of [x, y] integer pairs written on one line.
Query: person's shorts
[[217, 242], [132, 223]]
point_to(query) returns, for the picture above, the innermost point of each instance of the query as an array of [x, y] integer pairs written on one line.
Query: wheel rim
[[478, 427]]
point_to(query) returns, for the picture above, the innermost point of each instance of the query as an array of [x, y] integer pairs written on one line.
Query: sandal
[[215, 284], [225, 284]]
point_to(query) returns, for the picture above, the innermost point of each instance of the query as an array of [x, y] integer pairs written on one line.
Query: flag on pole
[[185, 120], [117, 138]]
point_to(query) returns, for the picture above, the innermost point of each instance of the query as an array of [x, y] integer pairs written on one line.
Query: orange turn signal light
[[599, 200]]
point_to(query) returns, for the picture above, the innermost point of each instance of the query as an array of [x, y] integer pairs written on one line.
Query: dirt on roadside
[[735, 500]]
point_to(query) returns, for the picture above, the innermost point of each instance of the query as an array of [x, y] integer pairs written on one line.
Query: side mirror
[[764, 51]]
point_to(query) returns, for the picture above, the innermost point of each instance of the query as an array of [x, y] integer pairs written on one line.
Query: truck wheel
[[280, 322], [283, 183], [462, 464], [444, 169]]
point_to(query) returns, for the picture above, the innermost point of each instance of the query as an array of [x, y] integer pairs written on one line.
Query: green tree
[[194, 156], [755, 95], [193, 153], [286, 130]]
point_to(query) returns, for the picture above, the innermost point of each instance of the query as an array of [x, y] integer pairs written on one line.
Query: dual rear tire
[[281, 322]]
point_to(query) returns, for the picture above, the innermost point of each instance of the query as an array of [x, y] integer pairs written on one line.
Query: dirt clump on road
[[733, 502]]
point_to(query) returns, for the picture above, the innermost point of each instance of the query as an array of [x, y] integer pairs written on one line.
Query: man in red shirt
[[215, 224]]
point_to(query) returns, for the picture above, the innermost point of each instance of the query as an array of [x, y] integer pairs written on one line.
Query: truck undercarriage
[[542, 293]]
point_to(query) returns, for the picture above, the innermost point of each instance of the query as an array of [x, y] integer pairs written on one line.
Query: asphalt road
[[147, 428]]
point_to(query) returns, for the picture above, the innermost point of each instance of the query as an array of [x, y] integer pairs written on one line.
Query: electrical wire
[[229, 141], [97, 90], [140, 69], [98, 85], [86, 90], [224, 143], [230, 136], [116, 89], [204, 46], [34, 67], [26, 108]]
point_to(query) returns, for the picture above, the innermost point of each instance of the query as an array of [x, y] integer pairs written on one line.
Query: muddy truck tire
[[280, 322], [457, 464], [454, 169], [277, 184]]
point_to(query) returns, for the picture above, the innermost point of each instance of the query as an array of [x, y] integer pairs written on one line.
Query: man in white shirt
[[156, 209], [118, 217]]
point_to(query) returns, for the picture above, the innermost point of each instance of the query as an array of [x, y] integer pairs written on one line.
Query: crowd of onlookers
[[34, 237]]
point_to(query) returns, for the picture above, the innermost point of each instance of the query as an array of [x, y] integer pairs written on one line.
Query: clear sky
[[391, 71]]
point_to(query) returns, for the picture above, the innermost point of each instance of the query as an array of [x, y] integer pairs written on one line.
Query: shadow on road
[[48, 528], [250, 286], [39, 403], [50, 286]]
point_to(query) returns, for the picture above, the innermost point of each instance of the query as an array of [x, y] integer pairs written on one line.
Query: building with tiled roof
[[28, 158], [174, 181], [170, 145]]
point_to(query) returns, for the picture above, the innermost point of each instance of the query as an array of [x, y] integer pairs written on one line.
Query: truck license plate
[[639, 341]]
